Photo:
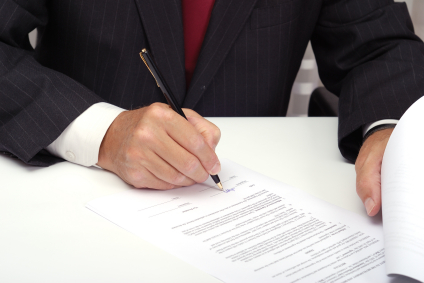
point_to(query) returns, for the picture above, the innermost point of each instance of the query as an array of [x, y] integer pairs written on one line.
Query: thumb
[[368, 170], [368, 187]]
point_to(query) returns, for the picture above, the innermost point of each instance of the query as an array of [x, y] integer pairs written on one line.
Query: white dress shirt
[[81, 140], [369, 126]]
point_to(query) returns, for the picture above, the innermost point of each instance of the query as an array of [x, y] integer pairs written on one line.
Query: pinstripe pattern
[[372, 72], [87, 53]]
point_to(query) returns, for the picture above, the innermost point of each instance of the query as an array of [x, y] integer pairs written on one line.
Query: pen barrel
[[170, 98], [216, 179]]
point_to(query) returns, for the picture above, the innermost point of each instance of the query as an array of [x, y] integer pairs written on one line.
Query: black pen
[[148, 60]]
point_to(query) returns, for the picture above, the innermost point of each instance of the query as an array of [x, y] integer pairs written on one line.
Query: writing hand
[[154, 147], [368, 170]]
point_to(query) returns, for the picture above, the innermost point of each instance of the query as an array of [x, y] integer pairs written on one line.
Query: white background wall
[[307, 79]]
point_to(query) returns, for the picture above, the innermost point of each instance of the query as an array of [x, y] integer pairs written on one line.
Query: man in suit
[[220, 58]]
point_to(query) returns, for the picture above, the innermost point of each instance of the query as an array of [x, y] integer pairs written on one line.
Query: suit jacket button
[[70, 156]]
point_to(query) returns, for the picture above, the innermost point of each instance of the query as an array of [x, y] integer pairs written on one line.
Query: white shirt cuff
[[369, 126], [81, 140]]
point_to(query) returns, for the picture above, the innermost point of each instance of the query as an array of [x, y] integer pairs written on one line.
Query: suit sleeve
[[36, 103], [369, 56]]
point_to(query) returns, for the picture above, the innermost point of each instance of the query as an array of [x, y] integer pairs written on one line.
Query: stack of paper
[[403, 195], [260, 230]]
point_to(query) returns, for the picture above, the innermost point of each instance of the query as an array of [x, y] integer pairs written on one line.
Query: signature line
[[163, 212], [155, 205]]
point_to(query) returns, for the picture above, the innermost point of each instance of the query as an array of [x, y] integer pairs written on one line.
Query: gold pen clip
[[145, 62]]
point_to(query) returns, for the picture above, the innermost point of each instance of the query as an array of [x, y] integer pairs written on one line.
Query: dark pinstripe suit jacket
[[87, 52]]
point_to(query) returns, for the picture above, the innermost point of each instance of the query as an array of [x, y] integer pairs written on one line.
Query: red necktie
[[196, 15]]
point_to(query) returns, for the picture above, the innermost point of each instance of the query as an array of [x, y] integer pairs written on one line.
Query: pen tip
[[220, 186]]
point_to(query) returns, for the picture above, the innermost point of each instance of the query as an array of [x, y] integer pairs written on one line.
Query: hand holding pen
[[161, 83], [155, 147]]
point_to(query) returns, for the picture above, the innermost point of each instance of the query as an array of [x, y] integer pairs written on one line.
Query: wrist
[[376, 142], [378, 128], [110, 140]]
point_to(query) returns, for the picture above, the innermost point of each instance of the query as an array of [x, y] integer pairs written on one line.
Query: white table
[[47, 234]]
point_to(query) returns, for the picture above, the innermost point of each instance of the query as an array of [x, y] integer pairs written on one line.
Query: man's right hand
[[154, 147]]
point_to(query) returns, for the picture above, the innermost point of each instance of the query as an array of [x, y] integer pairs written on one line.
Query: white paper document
[[260, 230], [403, 195]]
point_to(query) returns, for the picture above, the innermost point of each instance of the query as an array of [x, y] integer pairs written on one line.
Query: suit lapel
[[162, 22], [227, 20]]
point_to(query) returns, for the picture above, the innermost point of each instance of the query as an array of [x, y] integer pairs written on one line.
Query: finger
[[179, 158], [183, 133], [164, 171], [141, 178], [168, 123], [207, 129]]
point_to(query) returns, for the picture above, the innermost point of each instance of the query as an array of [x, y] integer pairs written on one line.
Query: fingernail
[[369, 205], [215, 170]]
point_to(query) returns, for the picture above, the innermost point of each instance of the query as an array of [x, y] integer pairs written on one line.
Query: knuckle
[[358, 189], [190, 183], [158, 111], [177, 178], [130, 154], [156, 104], [190, 165], [216, 133], [166, 187], [210, 164], [363, 185], [135, 177], [154, 110], [359, 163], [138, 186], [197, 143], [145, 136], [203, 178]]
